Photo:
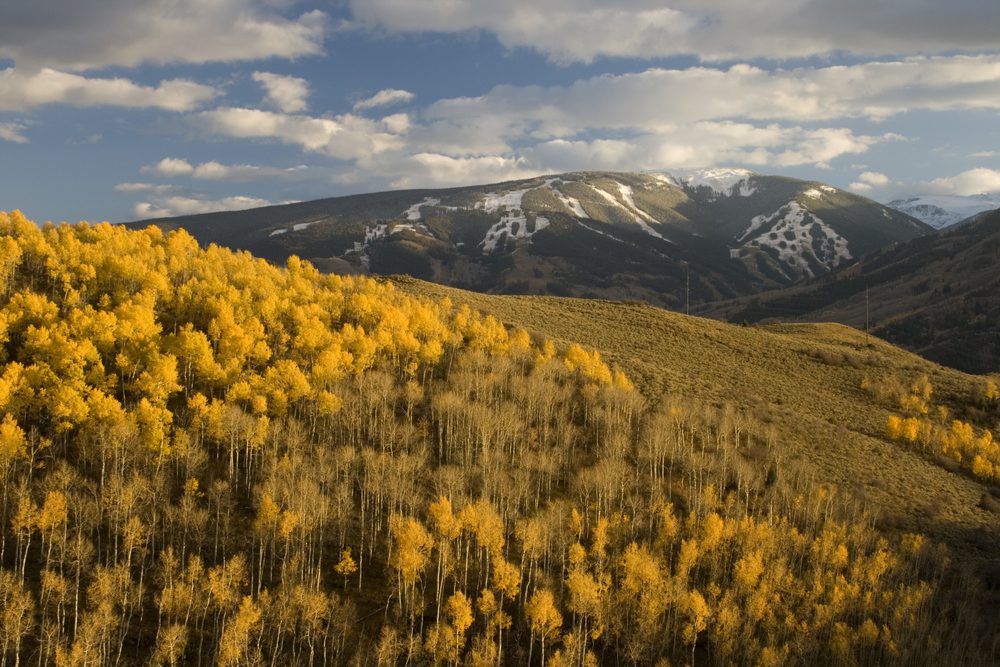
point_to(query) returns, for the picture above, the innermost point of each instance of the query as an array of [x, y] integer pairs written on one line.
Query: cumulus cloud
[[874, 178], [434, 170], [346, 137], [652, 119], [659, 98], [20, 91], [168, 205], [213, 170], [154, 188], [89, 34], [581, 30], [13, 132], [287, 93], [170, 166], [971, 182], [384, 98]]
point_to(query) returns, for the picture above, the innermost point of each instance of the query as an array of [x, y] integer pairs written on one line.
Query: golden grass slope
[[805, 379]]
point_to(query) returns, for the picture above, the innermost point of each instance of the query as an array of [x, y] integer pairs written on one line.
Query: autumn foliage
[[210, 459]]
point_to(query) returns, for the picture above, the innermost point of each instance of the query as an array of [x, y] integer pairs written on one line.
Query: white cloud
[[217, 171], [383, 98], [657, 98], [13, 132], [165, 201], [971, 182], [581, 30], [89, 34], [702, 145], [170, 166], [20, 91], [874, 178], [166, 205], [346, 137], [653, 119], [144, 187], [434, 170], [287, 93], [859, 187]]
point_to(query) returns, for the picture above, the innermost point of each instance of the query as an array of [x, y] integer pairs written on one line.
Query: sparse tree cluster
[[931, 427]]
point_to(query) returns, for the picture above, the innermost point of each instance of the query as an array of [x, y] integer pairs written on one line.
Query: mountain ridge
[[619, 235], [938, 295], [942, 211]]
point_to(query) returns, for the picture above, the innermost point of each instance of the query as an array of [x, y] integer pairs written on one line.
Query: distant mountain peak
[[722, 181], [940, 211]]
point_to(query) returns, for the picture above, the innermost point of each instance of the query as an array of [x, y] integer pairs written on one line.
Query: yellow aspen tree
[[412, 544], [544, 619], [712, 529], [496, 620], [894, 427], [171, 643], [698, 614], [24, 522], [446, 528], [52, 522], [585, 602], [346, 566], [17, 607], [234, 644], [459, 613]]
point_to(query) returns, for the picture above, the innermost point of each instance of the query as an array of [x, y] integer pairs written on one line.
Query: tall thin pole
[[687, 289], [867, 342]]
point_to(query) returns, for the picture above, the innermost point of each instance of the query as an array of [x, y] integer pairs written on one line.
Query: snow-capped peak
[[941, 211], [723, 182]]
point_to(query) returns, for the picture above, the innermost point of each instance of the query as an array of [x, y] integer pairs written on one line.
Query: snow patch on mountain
[[722, 182], [797, 236], [297, 227], [940, 211], [415, 227], [413, 213], [668, 180], [493, 201], [571, 203], [512, 226], [360, 248], [629, 207], [513, 222]]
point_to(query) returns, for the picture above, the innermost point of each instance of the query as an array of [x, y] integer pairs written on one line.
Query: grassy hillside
[[803, 379], [938, 296], [210, 459]]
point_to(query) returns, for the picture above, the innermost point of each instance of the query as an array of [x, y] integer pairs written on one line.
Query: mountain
[[938, 295], [940, 211], [645, 236]]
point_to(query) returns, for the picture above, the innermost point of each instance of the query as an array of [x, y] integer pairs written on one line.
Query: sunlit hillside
[[208, 459]]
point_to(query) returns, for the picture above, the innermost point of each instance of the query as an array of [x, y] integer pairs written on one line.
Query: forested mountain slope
[[656, 237], [938, 296], [209, 459]]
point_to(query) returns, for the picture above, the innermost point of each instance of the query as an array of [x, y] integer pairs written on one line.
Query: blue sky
[[125, 109]]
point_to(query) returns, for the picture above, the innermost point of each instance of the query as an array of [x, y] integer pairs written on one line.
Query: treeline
[[210, 460]]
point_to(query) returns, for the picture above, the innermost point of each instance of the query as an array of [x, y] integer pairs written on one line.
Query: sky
[[128, 109]]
